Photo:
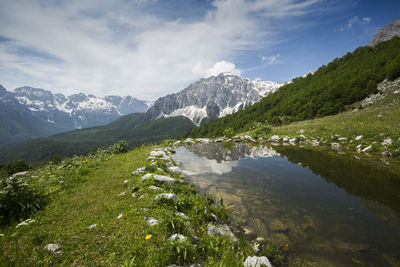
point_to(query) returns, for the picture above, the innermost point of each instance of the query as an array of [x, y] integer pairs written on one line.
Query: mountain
[[31, 112], [331, 89], [212, 98], [386, 33], [133, 128]]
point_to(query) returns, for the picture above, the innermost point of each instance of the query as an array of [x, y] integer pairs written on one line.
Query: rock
[[177, 237], [122, 194], [387, 154], [275, 138], [167, 196], [158, 178], [302, 137], [139, 170], [181, 214], [260, 139], [152, 187], [19, 174], [336, 146], [387, 142], [386, 33], [175, 169], [25, 223], [189, 140], [359, 137], [220, 140], [285, 139], [278, 226], [177, 143], [366, 149], [293, 140], [301, 131], [119, 216], [257, 262], [126, 181], [133, 195], [203, 140], [221, 230], [342, 139], [151, 221], [55, 248], [158, 154], [92, 226]]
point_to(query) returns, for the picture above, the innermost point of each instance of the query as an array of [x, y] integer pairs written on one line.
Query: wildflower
[[148, 237]]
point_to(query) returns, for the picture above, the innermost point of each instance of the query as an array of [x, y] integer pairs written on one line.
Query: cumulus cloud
[[123, 47]]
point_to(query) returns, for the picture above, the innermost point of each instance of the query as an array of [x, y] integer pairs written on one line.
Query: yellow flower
[[148, 237]]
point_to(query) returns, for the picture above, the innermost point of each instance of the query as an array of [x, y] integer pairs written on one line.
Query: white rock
[[366, 149], [19, 174], [158, 154], [293, 140], [126, 181], [168, 196], [203, 140], [335, 146], [301, 131], [219, 140], [158, 178], [152, 187], [1, 235], [53, 248], [181, 214], [303, 137], [285, 139], [178, 237], [189, 140], [119, 216], [175, 169], [139, 170], [387, 142], [275, 138], [122, 194], [133, 195], [359, 137], [93, 226], [342, 139], [25, 223], [151, 221], [257, 262], [177, 143]]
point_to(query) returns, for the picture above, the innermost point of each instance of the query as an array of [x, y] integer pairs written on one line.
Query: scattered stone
[[260, 139], [293, 140], [175, 169], [177, 237], [126, 181], [302, 137], [359, 137], [19, 174], [142, 196], [336, 146], [366, 149], [221, 230], [1, 235], [219, 140], [379, 116], [301, 131], [167, 196], [139, 170], [177, 143], [203, 140], [181, 214], [275, 138], [158, 178], [151, 221], [122, 194], [152, 187], [133, 195], [189, 140], [387, 154], [285, 139], [158, 154], [387, 142], [342, 139], [55, 248], [257, 262], [119, 216], [92, 226], [25, 223]]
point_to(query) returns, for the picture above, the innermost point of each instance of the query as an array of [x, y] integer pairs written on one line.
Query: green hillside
[[330, 90], [131, 128]]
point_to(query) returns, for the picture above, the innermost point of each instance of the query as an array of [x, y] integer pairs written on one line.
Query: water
[[330, 209]]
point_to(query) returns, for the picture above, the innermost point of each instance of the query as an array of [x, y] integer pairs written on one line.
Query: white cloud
[[120, 47], [219, 67], [355, 21], [274, 59]]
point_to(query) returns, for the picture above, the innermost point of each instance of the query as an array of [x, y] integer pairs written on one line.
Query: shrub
[[16, 166], [18, 199], [260, 130], [229, 132], [120, 147]]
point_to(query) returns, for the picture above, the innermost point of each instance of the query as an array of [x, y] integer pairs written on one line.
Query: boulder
[[221, 230], [175, 169], [167, 196], [158, 178], [257, 262]]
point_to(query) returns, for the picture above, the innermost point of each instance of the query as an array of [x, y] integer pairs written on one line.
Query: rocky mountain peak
[[386, 33]]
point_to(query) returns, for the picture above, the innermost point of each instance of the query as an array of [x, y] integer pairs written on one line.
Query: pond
[[327, 209]]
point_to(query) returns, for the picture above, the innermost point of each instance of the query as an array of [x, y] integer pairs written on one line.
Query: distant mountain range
[[31, 112], [212, 98]]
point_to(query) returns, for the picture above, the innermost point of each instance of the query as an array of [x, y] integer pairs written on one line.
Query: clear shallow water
[[335, 212]]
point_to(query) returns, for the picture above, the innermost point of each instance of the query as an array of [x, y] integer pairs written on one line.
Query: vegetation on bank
[[97, 213], [330, 90]]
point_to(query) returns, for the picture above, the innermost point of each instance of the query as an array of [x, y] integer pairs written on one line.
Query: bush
[[18, 199], [393, 69], [16, 166], [120, 147], [260, 130], [229, 133]]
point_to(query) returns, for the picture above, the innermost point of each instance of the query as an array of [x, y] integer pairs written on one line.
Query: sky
[[150, 48]]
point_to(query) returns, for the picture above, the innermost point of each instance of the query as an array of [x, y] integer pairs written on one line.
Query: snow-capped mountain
[[78, 110], [212, 97]]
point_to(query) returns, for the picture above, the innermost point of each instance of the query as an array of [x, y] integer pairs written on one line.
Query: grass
[[85, 190]]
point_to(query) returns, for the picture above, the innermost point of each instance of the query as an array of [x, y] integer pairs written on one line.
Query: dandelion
[[148, 237]]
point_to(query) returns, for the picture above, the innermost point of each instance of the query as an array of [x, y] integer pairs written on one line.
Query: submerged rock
[[278, 226], [257, 262]]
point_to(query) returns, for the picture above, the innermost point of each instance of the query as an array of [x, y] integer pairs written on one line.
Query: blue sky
[[149, 48]]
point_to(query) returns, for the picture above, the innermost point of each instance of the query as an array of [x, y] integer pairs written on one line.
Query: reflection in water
[[335, 212]]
